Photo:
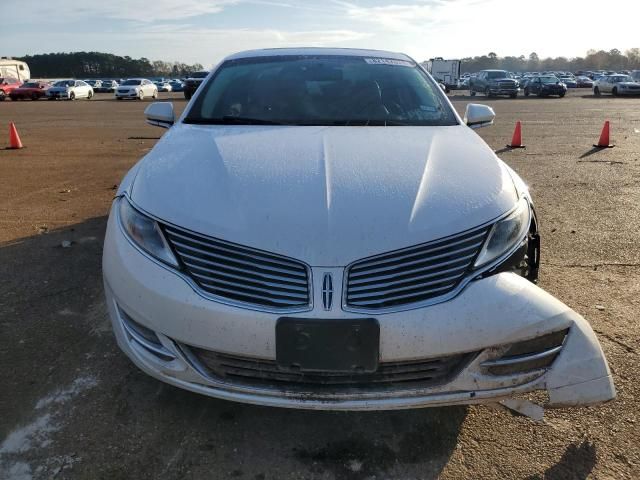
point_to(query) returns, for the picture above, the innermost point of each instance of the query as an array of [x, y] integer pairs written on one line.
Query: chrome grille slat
[[420, 261], [378, 299], [415, 252], [361, 286], [371, 293], [240, 250], [241, 274], [221, 268], [232, 260], [412, 275], [235, 278]]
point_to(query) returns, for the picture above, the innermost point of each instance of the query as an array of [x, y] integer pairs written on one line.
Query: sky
[[205, 31]]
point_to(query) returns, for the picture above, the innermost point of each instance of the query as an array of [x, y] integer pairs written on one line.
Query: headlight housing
[[506, 234], [145, 233]]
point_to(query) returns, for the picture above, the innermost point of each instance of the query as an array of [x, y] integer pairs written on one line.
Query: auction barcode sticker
[[388, 61]]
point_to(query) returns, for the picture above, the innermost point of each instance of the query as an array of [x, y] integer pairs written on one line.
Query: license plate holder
[[325, 345]]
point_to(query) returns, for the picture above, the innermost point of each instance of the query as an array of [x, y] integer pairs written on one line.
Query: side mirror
[[478, 116], [160, 114]]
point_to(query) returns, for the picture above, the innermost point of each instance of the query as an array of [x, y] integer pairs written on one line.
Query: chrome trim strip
[[521, 358], [359, 286], [388, 292], [408, 295], [293, 289], [160, 351]]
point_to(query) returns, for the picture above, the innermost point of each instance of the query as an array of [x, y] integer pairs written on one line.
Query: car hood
[[630, 84], [324, 195]]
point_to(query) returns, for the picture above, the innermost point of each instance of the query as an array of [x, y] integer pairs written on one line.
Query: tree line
[[594, 60], [102, 65]]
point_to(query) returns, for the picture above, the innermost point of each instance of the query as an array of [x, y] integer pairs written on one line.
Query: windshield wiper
[[231, 120]]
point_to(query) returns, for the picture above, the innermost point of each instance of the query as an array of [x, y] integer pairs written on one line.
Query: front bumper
[[486, 316], [65, 95], [129, 94]]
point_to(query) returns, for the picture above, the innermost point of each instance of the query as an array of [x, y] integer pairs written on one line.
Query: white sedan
[[136, 88], [616, 85], [70, 90], [321, 230]]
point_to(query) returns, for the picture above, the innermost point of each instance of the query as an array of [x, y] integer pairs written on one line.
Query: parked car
[[493, 83], [635, 75], [8, 85], [95, 84], [616, 85], [163, 86], [569, 81], [245, 260], [192, 83], [545, 86], [584, 82], [70, 90], [108, 86], [32, 90], [136, 88], [176, 86]]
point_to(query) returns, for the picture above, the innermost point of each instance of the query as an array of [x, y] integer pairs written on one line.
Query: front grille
[[249, 371], [412, 275], [241, 274]]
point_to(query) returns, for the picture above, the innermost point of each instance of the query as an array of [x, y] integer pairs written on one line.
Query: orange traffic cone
[[604, 137], [14, 138], [516, 140]]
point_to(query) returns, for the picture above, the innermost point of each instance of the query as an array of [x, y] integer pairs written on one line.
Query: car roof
[[341, 52]]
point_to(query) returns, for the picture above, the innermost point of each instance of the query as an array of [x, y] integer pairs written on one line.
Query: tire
[[596, 91], [90, 96], [2, 96], [34, 97], [187, 95], [562, 95], [118, 98], [487, 92], [514, 95], [155, 94], [614, 92], [141, 95], [72, 96], [472, 93]]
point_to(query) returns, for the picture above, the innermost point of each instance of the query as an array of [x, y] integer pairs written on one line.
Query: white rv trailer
[[10, 68], [446, 72]]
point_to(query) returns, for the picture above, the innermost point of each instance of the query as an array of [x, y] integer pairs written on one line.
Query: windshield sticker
[[388, 61]]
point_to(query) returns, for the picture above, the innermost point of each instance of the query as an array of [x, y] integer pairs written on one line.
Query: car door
[[535, 85], [80, 90], [606, 85], [147, 88]]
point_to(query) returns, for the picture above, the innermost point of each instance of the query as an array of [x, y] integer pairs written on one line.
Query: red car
[[32, 90], [7, 85]]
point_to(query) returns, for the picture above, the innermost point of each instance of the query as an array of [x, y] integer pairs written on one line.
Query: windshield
[[494, 75], [320, 90], [64, 83], [31, 85], [621, 78], [132, 82], [199, 75], [549, 79]]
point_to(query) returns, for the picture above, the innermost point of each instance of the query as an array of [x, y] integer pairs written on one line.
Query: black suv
[[493, 83], [192, 83]]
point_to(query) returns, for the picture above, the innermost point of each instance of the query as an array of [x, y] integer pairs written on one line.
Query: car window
[[131, 82], [497, 75], [321, 90]]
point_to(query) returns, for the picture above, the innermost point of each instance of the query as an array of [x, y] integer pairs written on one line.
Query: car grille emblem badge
[[327, 291]]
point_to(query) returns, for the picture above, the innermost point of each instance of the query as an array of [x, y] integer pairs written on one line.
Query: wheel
[[118, 98], [614, 92], [487, 92], [72, 96], [2, 96], [187, 95], [34, 97], [472, 93], [155, 94], [90, 96], [526, 92], [562, 95], [596, 91], [140, 95], [514, 95]]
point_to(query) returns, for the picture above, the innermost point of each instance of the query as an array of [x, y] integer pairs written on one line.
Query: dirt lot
[[72, 406]]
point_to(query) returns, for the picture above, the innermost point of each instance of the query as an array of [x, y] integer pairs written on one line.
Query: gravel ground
[[72, 406]]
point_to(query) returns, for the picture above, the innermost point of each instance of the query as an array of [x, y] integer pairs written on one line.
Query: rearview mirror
[[160, 114], [478, 116]]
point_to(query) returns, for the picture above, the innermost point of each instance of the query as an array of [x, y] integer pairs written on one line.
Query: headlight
[[145, 233], [506, 234]]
